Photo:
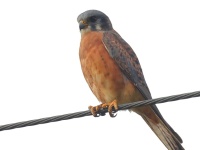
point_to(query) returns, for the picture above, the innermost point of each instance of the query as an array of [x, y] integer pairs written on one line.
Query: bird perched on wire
[[113, 73]]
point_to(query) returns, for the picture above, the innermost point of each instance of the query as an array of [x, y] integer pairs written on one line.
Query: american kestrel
[[113, 73]]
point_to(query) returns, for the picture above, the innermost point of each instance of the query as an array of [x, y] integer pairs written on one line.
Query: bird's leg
[[94, 110]]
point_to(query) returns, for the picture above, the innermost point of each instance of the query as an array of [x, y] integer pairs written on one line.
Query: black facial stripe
[[93, 27]]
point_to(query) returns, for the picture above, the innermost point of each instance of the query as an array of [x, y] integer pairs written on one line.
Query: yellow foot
[[112, 105], [95, 110]]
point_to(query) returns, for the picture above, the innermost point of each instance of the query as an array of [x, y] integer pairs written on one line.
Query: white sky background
[[40, 74]]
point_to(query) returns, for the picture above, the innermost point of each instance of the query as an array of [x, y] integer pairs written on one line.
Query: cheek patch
[[98, 27]]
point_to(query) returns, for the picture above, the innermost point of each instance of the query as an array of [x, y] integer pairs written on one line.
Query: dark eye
[[93, 19]]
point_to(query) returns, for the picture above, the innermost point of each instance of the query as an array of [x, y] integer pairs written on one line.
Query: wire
[[102, 111]]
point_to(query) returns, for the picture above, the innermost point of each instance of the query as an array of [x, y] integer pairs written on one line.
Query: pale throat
[[89, 29], [86, 30]]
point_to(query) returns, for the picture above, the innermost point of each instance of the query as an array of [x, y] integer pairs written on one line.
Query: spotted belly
[[102, 74]]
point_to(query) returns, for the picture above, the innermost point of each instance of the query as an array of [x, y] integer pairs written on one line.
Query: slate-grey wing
[[127, 60], [129, 64]]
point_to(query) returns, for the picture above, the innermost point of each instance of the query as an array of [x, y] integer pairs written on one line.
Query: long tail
[[161, 128]]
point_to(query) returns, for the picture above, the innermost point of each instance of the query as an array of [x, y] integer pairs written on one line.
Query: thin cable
[[102, 112]]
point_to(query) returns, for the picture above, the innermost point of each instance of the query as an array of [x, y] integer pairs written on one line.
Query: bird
[[114, 74]]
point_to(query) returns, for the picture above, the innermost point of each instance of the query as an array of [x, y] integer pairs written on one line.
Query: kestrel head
[[94, 20]]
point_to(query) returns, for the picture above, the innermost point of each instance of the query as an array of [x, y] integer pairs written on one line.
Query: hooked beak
[[82, 25]]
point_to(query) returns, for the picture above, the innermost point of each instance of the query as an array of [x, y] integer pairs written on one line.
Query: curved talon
[[94, 110], [112, 113], [112, 105], [112, 109]]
